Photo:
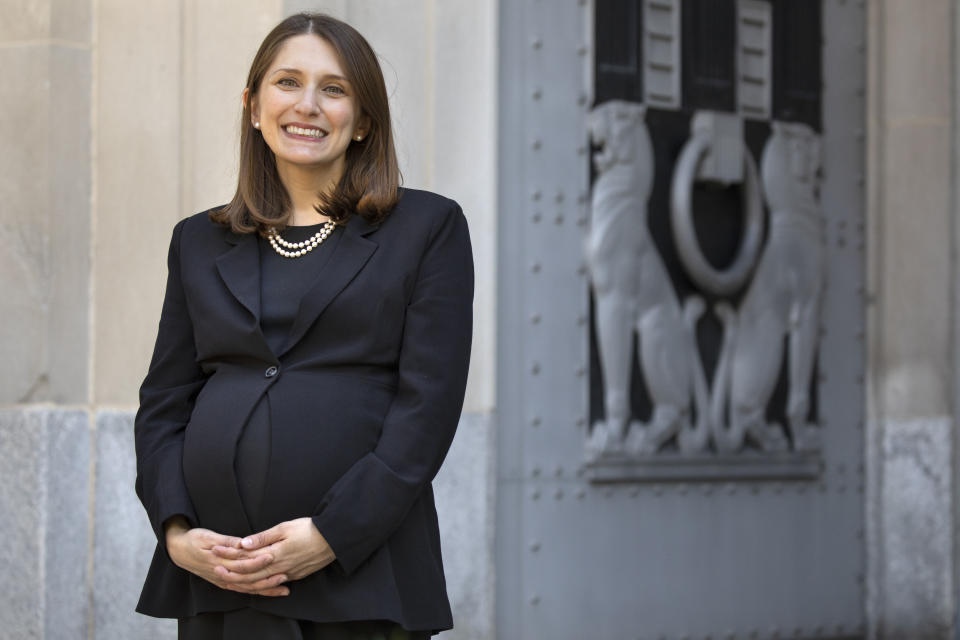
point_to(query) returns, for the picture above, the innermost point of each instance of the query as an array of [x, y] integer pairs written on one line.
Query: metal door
[[680, 378]]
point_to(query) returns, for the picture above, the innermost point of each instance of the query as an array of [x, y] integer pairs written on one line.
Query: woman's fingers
[[264, 538], [247, 565], [257, 564], [208, 538], [232, 553], [234, 583], [217, 539], [249, 578], [221, 560]]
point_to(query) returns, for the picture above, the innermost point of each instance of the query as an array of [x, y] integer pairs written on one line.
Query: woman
[[309, 370]]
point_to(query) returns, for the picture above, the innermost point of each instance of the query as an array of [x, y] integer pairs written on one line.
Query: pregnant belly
[[317, 430], [316, 440]]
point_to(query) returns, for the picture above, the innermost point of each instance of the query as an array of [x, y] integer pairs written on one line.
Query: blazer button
[[270, 372]]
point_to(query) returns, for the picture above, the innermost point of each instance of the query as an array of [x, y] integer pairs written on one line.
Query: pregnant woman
[[309, 370]]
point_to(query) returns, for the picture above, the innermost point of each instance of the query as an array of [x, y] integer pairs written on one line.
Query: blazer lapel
[[351, 253], [240, 269]]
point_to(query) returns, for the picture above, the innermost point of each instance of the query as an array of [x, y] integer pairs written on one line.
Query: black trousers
[[249, 624]]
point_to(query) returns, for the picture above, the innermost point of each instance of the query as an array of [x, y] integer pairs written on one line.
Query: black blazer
[[365, 397]]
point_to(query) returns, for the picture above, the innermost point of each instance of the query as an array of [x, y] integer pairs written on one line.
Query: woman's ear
[[362, 129], [254, 108]]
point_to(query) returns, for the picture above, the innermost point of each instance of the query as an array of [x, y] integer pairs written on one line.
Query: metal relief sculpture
[[634, 294]]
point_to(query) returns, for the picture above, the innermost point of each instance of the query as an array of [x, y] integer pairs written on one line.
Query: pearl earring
[[256, 125], [358, 138]]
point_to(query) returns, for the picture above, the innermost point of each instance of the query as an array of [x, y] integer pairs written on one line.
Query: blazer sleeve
[[166, 401], [369, 502]]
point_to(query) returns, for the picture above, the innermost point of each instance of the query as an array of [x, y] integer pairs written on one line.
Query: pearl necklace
[[297, 249]]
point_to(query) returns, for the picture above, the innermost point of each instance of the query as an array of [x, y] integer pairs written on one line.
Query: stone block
[[25, 20], [70, 20], [465, 81], [44, 496], [123, 539], [918, 55], [67, 539], [137, 130], [69, 230], [464, 491], [24, 247], [916, 520], [914, 281], [21, 494], [916, 185], [45, 186]]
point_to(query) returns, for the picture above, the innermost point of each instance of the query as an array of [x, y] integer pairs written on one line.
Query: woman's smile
[[304, 132]]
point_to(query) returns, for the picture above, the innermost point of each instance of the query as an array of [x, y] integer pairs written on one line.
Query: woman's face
[[306, 108]]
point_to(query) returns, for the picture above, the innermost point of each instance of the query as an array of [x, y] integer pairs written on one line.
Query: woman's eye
[[287, 82], [334, 89]]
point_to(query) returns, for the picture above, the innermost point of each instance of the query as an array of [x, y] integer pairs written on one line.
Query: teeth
[[313, 133]]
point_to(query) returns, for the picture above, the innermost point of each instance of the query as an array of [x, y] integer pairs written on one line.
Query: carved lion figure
[[633, 293], [783, 300]]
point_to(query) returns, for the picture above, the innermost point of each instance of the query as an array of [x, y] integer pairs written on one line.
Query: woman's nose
[[308, 103]]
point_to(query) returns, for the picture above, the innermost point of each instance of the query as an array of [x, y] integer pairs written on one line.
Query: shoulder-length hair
[[371, 178]]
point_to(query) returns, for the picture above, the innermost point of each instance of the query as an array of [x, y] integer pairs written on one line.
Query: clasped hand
[[258, 564]]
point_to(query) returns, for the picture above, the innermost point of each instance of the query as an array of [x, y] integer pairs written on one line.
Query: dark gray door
[[681, 319]]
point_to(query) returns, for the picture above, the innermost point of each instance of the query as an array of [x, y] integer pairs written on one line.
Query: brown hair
[[371, 177]]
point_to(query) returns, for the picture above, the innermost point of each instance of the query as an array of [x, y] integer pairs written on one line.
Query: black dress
[[283, 282]]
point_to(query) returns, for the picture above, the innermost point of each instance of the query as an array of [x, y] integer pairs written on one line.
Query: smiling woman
[[309, 370], [319, 75], [307, 114]]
